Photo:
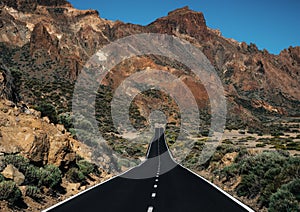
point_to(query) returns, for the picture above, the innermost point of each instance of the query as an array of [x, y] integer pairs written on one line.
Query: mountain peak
[[182, 20], [182, 10]]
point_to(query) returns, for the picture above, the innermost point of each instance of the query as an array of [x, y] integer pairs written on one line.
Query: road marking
[[97, 185], [153, 195], [210, 183], [91, 188], [150, 209]]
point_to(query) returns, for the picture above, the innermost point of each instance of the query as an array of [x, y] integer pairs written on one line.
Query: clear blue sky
[[270, 24]]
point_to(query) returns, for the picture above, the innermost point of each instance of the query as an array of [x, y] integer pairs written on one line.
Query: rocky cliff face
[[25, 134], [50, 42], [8, 85], [31, 5], [182, 22]]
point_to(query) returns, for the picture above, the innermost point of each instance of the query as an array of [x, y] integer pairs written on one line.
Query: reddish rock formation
[[182, 21], [61, 39], [42, 40]]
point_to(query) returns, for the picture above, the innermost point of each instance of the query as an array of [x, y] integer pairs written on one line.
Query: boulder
[[39, 149], [36, 113], [229, 158], [61, 128], [46, 119], [72, 188], [11, 172], [60, 151]]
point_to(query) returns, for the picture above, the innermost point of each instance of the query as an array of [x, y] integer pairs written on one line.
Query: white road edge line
[[80, 193], [216, 187], [150, 208]]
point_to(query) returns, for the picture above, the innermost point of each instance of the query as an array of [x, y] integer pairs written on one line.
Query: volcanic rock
[[11, 172]]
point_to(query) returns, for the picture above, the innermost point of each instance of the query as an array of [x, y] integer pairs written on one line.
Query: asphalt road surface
[[157, 185]]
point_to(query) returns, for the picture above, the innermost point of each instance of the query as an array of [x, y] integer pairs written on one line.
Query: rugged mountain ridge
[[50, 44]]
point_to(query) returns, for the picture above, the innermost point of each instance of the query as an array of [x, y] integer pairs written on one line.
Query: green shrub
[[223, 150], [33, 192], [260, 134], [260, 145], [84, 125], [227, 141], [86, 136], [205, 132], [292, 145], [264, 174], [291, 169], [229, 171], [277, 133], [242, 154], [86, 167], [50, 176], [283, 200], [280, 146], [66, 120], [10, 192], [75, 176], [1, 178], [18, 161], [249, 186], [32, 175], [294, 188], [48, 110]]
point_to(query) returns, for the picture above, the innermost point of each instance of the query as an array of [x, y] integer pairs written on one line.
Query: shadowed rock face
[[31, 5], [54, 40]]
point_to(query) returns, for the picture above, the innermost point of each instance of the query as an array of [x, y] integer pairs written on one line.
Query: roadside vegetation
[[268, 176], [267, 179], [41, 180]]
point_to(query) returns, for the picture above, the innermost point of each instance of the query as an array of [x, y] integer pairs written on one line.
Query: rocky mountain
[[47, 43]]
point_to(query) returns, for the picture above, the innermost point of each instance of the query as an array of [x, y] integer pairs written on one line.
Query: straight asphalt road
[[157, 185]]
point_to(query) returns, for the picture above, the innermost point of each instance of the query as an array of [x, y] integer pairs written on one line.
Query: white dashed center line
[[150, 209], [155, 186], [153, 195]]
